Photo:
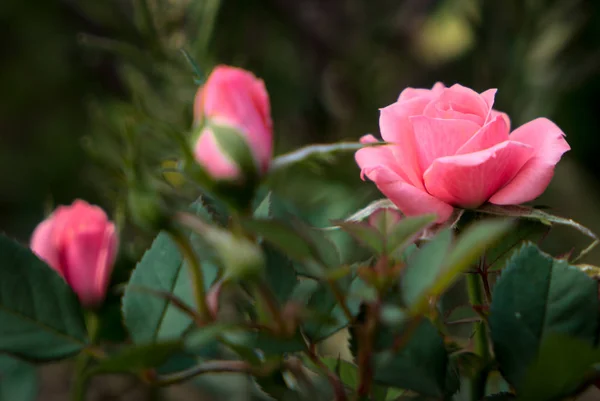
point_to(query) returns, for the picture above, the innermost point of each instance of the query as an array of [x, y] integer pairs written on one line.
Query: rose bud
[[80, 244], [234, 137]]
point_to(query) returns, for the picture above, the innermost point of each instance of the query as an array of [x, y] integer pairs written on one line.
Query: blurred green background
[[92, 89]]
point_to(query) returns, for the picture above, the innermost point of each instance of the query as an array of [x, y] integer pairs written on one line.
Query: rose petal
[[410, 200], [410, 93], [374, 157], [489, 96], [549, 145], [79, 215], [82, 256], [469, 180], [396, 128], [106, 260], [213, 159], [489, 135], [43, 244], [505, 117], [438, 138], [459, 102]]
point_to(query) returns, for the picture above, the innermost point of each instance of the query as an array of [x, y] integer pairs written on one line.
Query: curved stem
[[264, 292], [207, 367], [482, 346], [196, 274], [339, 296], [218, 367], [334, 380]]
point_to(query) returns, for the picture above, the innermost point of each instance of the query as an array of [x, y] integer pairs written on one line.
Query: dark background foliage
[[77, 73]]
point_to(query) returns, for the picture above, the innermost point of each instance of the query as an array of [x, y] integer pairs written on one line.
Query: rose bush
[[238, 282], [80, 243], [450, 148]]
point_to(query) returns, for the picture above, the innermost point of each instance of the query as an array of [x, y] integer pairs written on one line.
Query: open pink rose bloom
[[80, 243], [449, 148]]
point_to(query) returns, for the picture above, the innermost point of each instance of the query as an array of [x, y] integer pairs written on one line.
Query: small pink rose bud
[[80, 243], [233, 102], [212, 299]]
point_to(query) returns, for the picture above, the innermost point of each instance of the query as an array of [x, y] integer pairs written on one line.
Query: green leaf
[[387, 235], [238, 255], [236, 146], [263, 210], [162, 268], [393, 316], [19, 380], [496, 383], [41, 317], [312, 151], [406, 232], [526, 212], [197, 340], [535, 296], [281, 236], [423, 268], [385, 220], [297, 240], [324, 303], [280, 274], [304, 290], [524, 229], [323, 248], [561, 366], [420, 366], [470, 245], [365, 234], [452, 384], [369, 210], [346, 371], [138, 357], [267, 343]]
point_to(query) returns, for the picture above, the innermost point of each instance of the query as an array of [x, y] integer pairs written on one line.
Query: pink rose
[[234, 98], [80, 243], [451, 149]]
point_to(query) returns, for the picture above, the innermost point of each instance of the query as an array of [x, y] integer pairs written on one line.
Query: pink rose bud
[[80, 243], [233, 102], [213, 298], [450, 148]]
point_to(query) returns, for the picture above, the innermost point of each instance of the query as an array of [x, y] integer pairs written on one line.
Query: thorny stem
[[483, 271], [334, 380], [482, 347], [196, 274], [83, 360], [339, 296], [486, 286], [401, 341], [366, 339], [173, 299], [297, 369], [267, 296]]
